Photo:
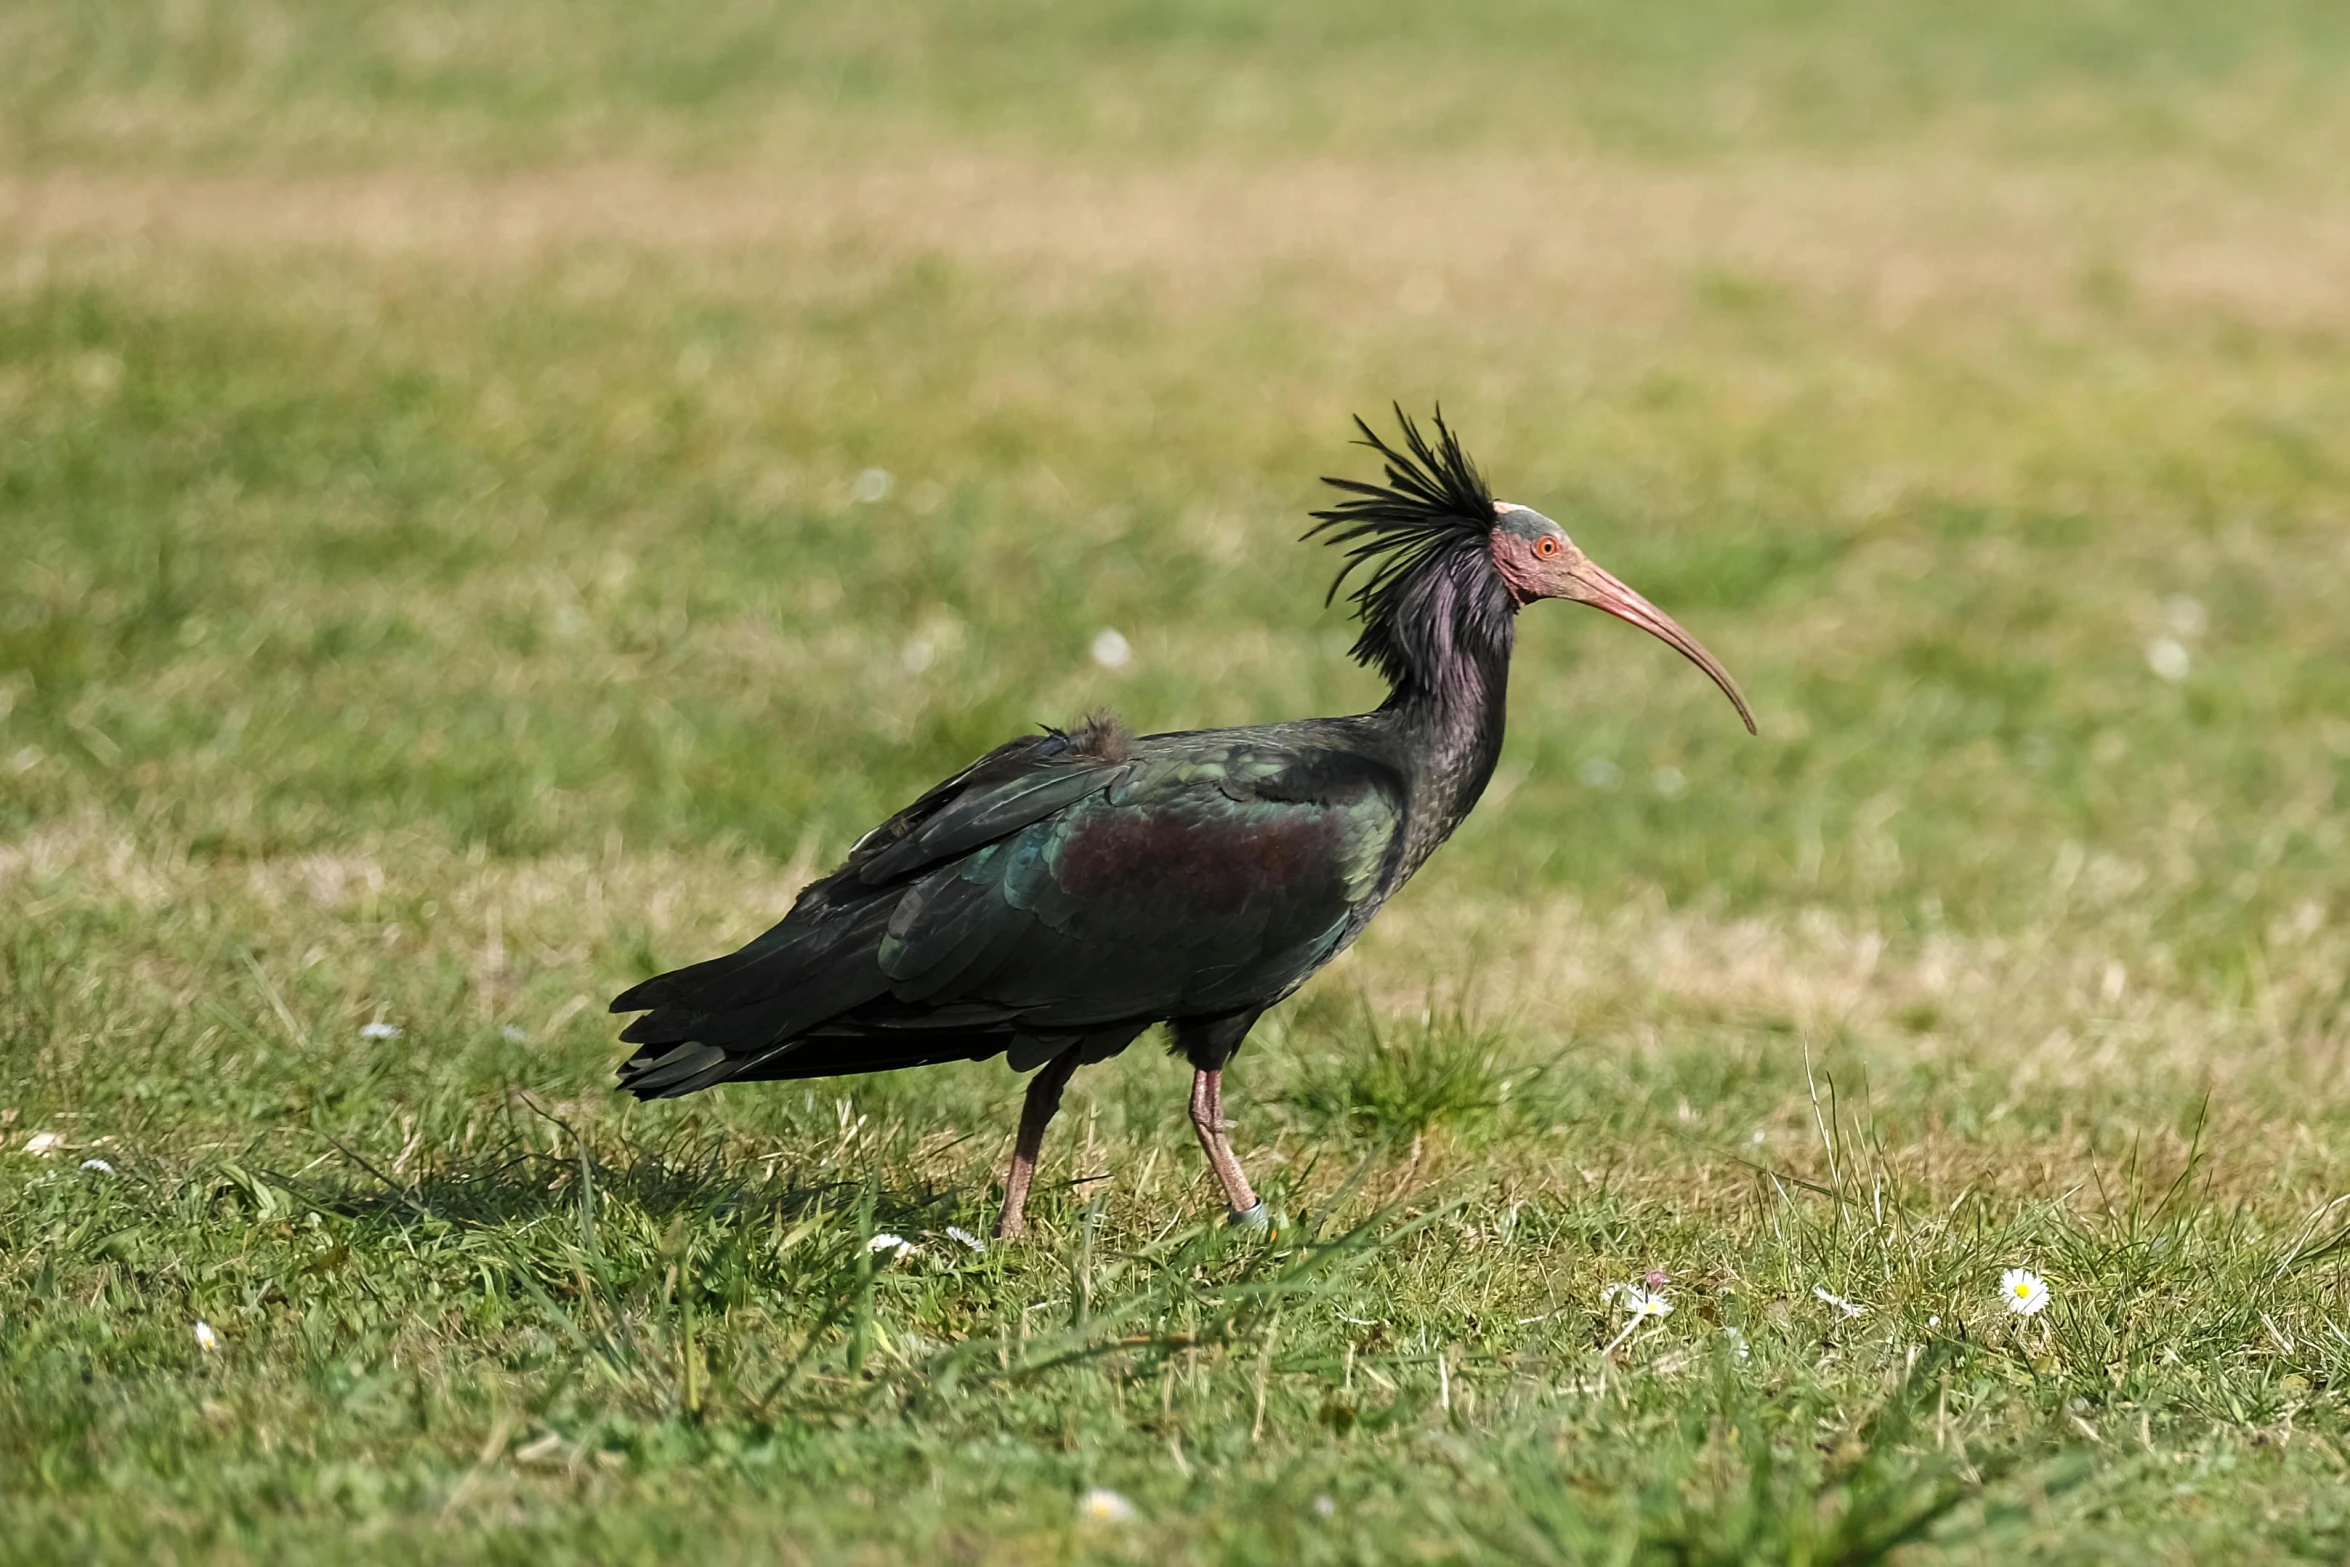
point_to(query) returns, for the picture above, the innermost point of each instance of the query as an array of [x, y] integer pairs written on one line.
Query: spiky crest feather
[[1433, 508]]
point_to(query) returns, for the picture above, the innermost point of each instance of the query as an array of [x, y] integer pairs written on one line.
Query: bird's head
[[1536, 560], [1435, 515]]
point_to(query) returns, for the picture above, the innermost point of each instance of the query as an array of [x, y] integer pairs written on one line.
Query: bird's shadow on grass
[[511, 1187]]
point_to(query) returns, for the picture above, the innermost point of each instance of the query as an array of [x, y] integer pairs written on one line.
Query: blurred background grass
[[493, 496]]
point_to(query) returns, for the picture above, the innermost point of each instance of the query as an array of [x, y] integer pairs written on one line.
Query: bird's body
[[1071, 889], [1066, 891]]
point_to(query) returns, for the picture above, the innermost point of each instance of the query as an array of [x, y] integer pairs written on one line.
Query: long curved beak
[[1601, 589]]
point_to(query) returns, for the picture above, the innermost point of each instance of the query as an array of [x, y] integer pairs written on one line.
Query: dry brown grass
[[1542, 242]]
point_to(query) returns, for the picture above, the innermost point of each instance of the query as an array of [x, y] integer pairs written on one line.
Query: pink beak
[[1601, 589]]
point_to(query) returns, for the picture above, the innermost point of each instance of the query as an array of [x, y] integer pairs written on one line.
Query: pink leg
[[1207, 1119], [1036, 1113]]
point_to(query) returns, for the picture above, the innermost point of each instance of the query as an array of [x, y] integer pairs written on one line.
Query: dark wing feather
[[1199, 881], [1044, 898], [979, 816], [824, 912], [818, 961]]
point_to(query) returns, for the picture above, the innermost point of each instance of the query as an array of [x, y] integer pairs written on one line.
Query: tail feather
[[875, 965], [668, 1072], [651, 1073], [736, 1015], [766, 967], [802, 1002]]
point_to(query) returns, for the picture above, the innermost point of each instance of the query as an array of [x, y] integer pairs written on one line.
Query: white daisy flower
[[1103, 1505], [379, 1029], [895, 1245], [965, 1237], [1641, 1301], [1850, 1308], [2024, 1291], [206, 1339], [99, 1165]]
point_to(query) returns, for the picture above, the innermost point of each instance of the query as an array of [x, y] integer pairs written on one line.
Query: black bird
[[1070, 889]]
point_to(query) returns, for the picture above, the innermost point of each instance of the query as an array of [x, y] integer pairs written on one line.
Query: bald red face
[[1536, 560], [1532, 553]]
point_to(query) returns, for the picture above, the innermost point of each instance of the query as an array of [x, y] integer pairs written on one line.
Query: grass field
[[494, 498]]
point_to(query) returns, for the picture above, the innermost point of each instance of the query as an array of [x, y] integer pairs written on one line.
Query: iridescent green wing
[[1207, 876]]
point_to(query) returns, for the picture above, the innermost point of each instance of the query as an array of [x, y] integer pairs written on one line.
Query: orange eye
[[1546, 545]]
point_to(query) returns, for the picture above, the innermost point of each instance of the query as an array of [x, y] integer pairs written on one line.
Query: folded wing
[[1056, 894]]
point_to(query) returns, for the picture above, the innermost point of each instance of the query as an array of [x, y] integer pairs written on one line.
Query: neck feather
[[1455, 629]]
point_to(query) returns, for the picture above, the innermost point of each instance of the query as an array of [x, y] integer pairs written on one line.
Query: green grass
[[445, 580]]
